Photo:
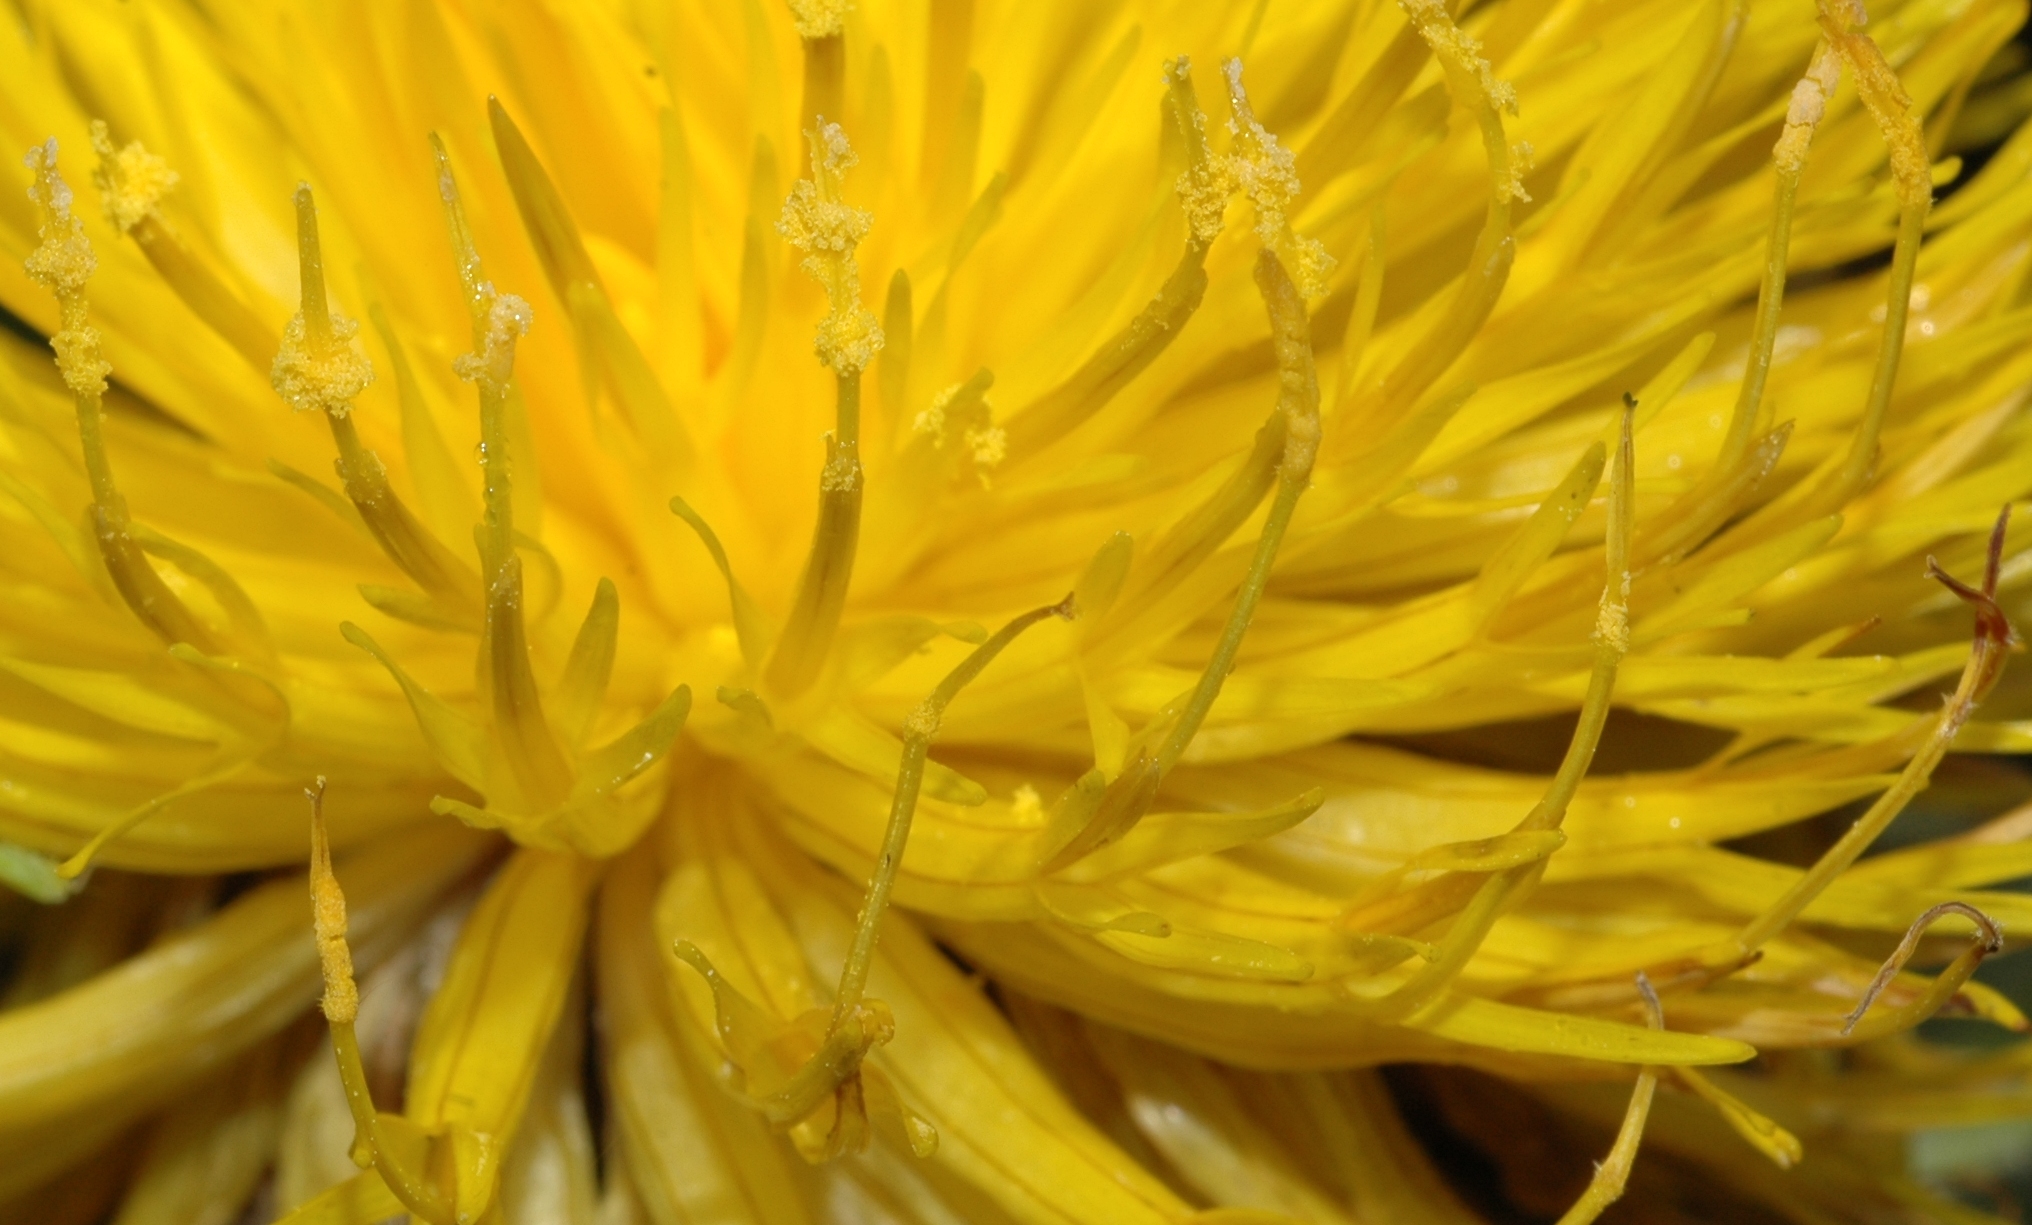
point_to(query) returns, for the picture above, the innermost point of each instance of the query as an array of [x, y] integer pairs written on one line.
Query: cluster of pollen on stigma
[[1266, 171], [819, 18], [318, 368], [130, 179], [62, 263], [341, 1003], [1205, 185], [982, 441], [1807, 108], [1885, 97], [827, 229], [1461, 54], [508, 320]]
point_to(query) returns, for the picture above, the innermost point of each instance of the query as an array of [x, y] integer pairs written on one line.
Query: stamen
[[821, 25], [1889, 105], [390, 1145], [1265, 173], [132, 182], [818, 222], [533, 756], [1994, 640], [606, 350], [318, 369], [918, 731], [786, 1096], [1613, 1174], [1611, 642], [1802, 118], [341, 1000], [1204, 187], [62, 263], [817, 19], [1474, 86]]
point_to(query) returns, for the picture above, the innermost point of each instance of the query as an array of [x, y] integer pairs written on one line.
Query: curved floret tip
[[819, 18], [130, 179], [329, 376], [508, 320]]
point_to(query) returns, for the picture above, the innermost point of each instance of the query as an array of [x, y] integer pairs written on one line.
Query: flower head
[[1018, 716]]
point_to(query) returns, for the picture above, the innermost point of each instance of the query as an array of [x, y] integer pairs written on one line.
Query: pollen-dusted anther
[[63, 260], [1475, 85], [827, 229], [130, 179], [1461, 49], [508, 320], [819, 18], [1206, 183], [320, 377], [318, 368], [1267, 172], [1807, 108], [341, 1001]]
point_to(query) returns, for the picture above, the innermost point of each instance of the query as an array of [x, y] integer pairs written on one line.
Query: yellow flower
[[1352, 415]]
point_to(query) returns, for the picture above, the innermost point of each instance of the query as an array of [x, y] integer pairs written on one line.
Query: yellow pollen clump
[[931, 422], [130, 179], [328, 921], [1205, 185], [327, 376], [1432, 19], [62, 261], [508, 320], [988, 444], [77, 359], [1267, 172], [1807, 108], [828, 230], [819, 18]]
